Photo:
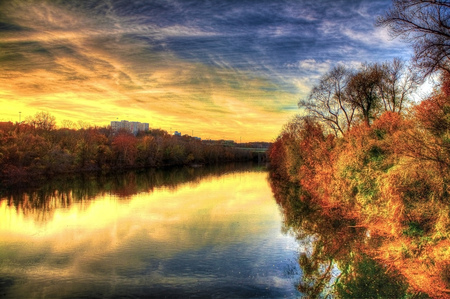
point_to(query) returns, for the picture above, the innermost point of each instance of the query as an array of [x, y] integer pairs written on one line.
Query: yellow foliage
[[392, 179]]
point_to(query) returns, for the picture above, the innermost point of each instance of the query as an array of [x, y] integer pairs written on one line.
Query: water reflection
[[206, 232], [338, 260]]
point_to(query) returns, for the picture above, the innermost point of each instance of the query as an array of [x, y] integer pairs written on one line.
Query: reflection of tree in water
[[334, 264], [41, 200]]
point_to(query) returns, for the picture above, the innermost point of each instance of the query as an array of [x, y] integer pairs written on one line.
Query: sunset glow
[[223, 70]]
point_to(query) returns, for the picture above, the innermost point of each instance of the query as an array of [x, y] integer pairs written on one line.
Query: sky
[[216, 69]]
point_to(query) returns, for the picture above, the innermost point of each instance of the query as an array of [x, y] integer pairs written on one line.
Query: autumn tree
[[42, 121], [363, 91], [431, 141], [327, 101], [291, 135], [92, 149], [68, 124], [125, 148], [426, 25], [342, 94], [148, 151]]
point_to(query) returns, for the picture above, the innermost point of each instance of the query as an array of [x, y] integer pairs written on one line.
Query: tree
[[397, 84], [431, 140], [341, 94], [363, 90], [125, 147], [426, 25], [42, 121], [327, 101], [68, 124]]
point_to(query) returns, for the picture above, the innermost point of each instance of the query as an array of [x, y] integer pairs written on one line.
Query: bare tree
[[426, 25], [397, 84], [42, 121], [363, 91], [341, 95], [327, 102]]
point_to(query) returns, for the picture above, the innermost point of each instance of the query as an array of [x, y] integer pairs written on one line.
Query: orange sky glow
[[233, 71]]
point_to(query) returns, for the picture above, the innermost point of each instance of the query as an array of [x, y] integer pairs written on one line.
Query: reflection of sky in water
[[219, 238]]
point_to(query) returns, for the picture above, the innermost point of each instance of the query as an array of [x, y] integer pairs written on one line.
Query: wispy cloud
[[236, 64], [311, 65]]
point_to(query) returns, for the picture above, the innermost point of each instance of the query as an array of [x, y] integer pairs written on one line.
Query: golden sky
[[229, 70]]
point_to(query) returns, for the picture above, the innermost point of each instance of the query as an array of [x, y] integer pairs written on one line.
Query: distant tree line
[[37, 146]]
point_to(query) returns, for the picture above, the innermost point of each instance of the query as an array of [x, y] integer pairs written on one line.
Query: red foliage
[[389, 122], [125, 147], [432, 113], [6, 126]]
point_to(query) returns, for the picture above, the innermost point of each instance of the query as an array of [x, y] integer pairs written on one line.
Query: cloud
[[355, 23], [311, 65], [375, 38], [216, 61]]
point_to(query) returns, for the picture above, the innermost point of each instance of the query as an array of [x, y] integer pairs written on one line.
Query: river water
[[180, 233]]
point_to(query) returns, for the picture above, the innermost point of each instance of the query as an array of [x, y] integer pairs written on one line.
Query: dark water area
[[207, 232]]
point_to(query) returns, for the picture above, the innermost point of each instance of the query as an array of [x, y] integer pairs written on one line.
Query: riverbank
[[390, 178], [28, 151]]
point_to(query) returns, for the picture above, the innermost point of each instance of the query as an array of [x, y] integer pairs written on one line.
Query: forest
[[365, 169], [37, 147]]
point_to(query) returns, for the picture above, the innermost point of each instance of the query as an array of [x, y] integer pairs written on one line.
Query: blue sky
[[223, 69]]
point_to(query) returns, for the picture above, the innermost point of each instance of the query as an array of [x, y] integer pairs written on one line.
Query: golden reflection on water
[[91, 238], [230, 198]]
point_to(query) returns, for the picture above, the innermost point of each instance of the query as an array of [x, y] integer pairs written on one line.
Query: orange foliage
[[427, 274], [393, 178], [125, 147], [277, 158], [388, 122], [433, 114], [26, 152]]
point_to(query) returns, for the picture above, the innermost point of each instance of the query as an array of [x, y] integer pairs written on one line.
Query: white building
[[131, 126]]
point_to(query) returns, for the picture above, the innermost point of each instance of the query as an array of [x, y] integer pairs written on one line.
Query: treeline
[[365, 154], [391, 176], [37, 147]]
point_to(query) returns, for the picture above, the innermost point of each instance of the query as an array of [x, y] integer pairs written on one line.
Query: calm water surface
[[185, 233]]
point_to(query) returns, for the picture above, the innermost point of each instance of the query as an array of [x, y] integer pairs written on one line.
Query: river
[[208, 232]]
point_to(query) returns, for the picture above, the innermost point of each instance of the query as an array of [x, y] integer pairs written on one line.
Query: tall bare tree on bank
[[397, 84], [363, 90], [342, 95], [426, 25], [327, 101]]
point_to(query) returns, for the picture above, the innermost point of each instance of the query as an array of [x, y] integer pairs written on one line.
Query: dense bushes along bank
[[385, 167], [37, 147], [391, 176]]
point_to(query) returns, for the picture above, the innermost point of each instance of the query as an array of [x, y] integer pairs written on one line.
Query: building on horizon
[[130, 126]]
